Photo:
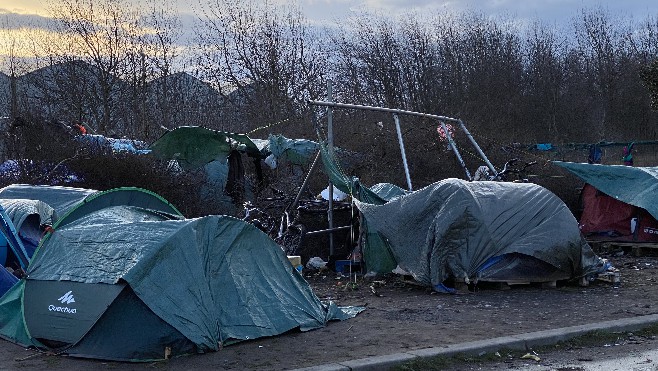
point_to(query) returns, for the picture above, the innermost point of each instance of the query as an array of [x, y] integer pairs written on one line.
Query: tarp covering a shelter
[[613, 196], [118, 281], [465, 230], [195, 146], [29, 218], [61, 199], [511, 232]]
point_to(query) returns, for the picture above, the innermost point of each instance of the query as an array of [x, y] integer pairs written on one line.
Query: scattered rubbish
[[400, 271], [296, 262], [531, 356], [370, 275], [374, 291], [316, 263], [337, 196], [271, 161]]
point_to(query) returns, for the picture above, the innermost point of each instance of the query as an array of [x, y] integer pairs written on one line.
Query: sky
[[16, 13], [329, 11]]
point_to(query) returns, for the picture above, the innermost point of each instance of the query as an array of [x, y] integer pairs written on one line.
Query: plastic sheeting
[[637, 186], [194, 146], [453, 227], [61, 199]]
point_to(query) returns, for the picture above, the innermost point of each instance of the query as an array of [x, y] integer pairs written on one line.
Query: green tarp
[[194, 146], [637, 186]]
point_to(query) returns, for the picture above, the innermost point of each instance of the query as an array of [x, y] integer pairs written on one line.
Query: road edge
[[515, 342]]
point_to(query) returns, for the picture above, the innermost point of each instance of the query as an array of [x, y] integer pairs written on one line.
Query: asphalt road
[[626, 353]]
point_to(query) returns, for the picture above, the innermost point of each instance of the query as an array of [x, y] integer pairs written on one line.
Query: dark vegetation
[[253, 68]]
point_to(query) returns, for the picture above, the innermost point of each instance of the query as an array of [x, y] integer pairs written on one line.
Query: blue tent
[[12, 252]]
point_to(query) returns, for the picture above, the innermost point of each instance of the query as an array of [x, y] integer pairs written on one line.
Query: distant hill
[[68, 91], [71, 91], [182, 99]]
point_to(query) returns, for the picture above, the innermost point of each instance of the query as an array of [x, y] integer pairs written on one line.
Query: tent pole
[[455, 150], [477, 148], [308, 175], [404, 155], [330, 145]]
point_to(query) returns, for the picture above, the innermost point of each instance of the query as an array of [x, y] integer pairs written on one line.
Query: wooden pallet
[[637, 249], [611, 277], [634, 248]]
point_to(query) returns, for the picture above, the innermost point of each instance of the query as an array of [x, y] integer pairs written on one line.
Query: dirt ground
[[401, 316]]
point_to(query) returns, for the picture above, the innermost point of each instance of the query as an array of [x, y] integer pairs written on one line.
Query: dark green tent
[[123, 277]]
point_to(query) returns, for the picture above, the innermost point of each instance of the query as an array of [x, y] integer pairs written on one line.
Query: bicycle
[[288, 232], [505, 175]]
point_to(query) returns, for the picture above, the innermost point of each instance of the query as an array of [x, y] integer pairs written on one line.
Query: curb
[[515, 342]]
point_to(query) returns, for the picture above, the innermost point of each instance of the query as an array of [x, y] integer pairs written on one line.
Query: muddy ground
[[401, 316]]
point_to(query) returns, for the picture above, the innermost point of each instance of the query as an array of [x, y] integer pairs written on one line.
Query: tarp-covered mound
[[613, 196], [130, 283], [28, 217], [61, 199], [511, 232]]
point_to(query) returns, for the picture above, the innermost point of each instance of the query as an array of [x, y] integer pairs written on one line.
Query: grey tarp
[[61, 199], [637, 186], [20, 209], [454, 228]]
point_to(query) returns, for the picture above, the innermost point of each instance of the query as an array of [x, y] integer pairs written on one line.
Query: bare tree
[[100, 33], [263, 58]]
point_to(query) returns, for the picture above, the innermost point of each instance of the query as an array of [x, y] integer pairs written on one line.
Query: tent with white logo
[[123, 276]]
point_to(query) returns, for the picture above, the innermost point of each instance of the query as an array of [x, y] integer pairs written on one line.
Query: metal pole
[[308, 175], [330, 145], [477, 148], [454, 149], [381, 109], [404, 155], [328, 230]]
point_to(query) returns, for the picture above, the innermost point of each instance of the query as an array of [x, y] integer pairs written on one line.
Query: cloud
[[13, 21]]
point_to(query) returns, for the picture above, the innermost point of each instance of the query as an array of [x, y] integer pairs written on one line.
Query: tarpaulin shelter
[[490, 231], [619, 202], [12, 252], [24, 213], [123, 276], [61, 199], [28, 218], [219, 153]]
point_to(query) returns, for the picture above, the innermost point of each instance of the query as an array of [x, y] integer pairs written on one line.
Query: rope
[[513, 149], [268, 126]]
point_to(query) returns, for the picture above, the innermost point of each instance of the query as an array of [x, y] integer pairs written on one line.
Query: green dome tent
[[124, 277]]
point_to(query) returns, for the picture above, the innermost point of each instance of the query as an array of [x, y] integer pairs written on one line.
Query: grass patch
[[590, 339], [443, 362]]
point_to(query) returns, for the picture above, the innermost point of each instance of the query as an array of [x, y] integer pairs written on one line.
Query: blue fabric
[[7, 280]]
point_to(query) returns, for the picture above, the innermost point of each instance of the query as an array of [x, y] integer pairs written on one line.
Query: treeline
[[589, 81]]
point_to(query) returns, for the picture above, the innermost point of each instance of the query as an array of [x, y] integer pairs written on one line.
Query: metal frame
[[330, 104]]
